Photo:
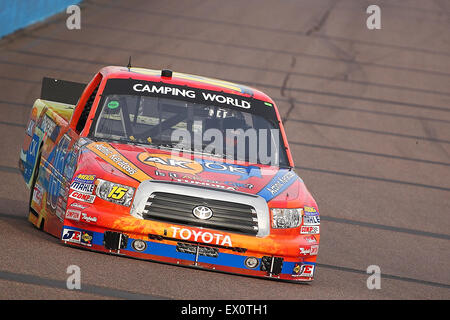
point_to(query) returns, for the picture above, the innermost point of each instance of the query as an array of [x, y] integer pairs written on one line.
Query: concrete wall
[[17, 14]]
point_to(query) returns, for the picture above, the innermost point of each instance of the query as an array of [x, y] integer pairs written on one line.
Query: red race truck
[[170, 167]]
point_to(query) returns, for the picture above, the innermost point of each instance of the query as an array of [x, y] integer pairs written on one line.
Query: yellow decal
[[310, 209], [110, 155], [170, 163], [117, 192]]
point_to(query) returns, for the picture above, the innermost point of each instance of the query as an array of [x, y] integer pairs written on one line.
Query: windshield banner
[[190, 94]]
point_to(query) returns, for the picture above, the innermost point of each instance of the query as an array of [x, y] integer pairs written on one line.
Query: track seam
[[304, 90], [85, 288], [352, 175], [368, 153], [267, 29], [386, 227], [386, 276]]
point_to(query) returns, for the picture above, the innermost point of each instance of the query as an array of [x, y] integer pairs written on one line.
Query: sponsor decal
[[309, 250], [85, 197], [170, 163], [202, 96], [89, 219], [78, 205], [60, 208], [84, 178], [86, 238], [310, 239], [37, 194], [117, 159], [226, 100], [232, 169], [73, 214], [304, 251], [310, 211], [113, 104], [139, 87], [190, 94], [239, 185], [117, 192], [303, 270], [83, 187], [201, 236], [110, 155], [296, 269], [30, 128], [310, 230], [205, 183], [311, 220], [48, 125], [70, 235], [282, 180]]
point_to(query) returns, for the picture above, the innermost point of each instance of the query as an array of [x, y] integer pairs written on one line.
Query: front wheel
[[33, 216]]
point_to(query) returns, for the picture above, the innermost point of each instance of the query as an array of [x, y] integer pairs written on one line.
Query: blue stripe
[[268, 195], [167, 250]]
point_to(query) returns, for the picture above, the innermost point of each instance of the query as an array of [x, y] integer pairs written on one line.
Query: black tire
[[33, 183]]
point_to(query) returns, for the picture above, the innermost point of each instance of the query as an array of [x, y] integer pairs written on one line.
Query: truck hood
[[143, 163]]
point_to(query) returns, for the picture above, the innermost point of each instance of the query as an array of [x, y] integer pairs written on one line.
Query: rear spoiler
[[61, 91]]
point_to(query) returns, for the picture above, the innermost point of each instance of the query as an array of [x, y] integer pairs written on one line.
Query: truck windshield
[[191, 127]]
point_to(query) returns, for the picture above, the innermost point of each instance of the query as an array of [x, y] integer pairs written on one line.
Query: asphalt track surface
[[367, 114]]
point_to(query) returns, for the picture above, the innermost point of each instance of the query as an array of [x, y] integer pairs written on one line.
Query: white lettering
[[209, 239], [185, 237], [206, 237], [175, 230], [227, 241]]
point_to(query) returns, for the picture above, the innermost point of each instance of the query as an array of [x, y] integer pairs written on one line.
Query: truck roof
[[117, 72]]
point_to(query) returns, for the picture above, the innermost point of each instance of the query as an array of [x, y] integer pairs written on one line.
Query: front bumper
[[209, 256]]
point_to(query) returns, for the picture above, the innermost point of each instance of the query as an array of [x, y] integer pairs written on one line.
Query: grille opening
[[177, 208], [202, 250]]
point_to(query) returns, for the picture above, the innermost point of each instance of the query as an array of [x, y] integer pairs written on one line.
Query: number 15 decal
[[117, 192]]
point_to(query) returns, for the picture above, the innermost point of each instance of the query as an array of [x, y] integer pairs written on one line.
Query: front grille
[[177, 208], [196, 249]]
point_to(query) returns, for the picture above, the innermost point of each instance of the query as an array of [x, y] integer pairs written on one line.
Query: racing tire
[[33, 183]]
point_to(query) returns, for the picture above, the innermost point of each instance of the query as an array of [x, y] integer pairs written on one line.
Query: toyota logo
[[202, 212]]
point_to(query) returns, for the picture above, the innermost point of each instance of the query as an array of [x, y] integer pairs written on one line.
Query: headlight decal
[[114, 192], [286, 218]]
